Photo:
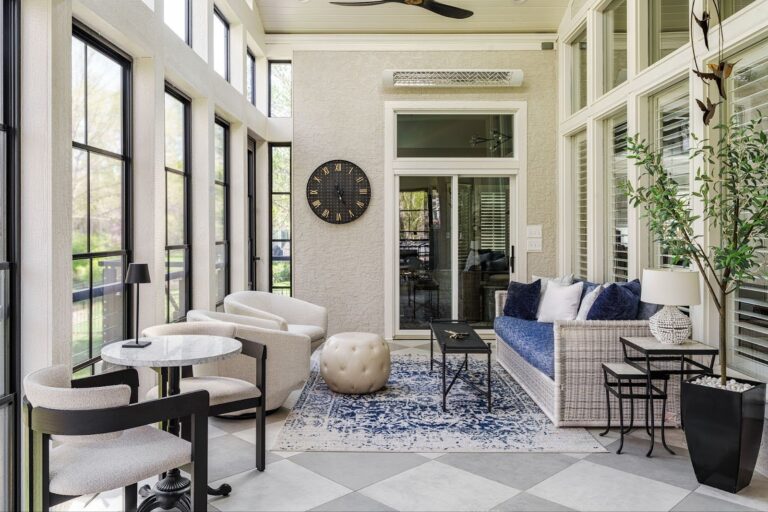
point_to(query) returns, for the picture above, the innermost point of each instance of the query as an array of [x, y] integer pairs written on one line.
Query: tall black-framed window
[[220, 44], [250, 89], [178, 270], [280, 263], [10, 347], [101, 190], [280, 88], [221, 208], [252, 230], [177, 14]]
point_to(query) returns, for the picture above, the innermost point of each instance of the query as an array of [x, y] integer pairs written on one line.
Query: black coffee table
[[441, 331]]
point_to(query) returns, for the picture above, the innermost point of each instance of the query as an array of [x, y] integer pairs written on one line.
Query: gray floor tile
[[662, 466], [518, 470], [358, 470], [696, 502], [353, 502], [232, 425], [525, 502], [229, 455]]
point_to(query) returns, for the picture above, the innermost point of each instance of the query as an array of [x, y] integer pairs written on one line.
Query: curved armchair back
[[51, 388], [226, 330], [269, 306], [199, 315]]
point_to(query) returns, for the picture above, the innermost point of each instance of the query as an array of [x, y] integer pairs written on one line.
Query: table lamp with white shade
[[671, 288]]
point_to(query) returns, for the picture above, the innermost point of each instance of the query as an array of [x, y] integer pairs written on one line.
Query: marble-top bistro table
[[168, 355]]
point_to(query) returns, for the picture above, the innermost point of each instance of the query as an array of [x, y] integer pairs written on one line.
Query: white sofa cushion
[[221, 389], [588, 301], [140, 453], [560, 302], [564, 280], [315, 333]]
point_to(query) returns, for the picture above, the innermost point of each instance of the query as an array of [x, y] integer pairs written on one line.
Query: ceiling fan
[[448, 11]]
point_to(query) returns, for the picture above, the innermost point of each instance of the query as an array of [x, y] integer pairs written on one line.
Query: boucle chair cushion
[[221, 389], [140, 453], [355, 362], [315, 333], [50, 388]]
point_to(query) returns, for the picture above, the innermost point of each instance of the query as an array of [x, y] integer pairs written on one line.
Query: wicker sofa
[[574, 396]]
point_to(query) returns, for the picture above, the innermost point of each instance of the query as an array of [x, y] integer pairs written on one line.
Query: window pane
[[219, 152], [104, 102], [174, 133], [108, 298], [579, 71], [176, 267], [455, 135], [281, 250], [5, 455], [220, 212], [251, 78], [731, 7], [668, 22], [81, 316], [281, 217], [5, 341], [79, 201], [106, 205], [617, 246], [220, 46], [175, 208], [580, 246], [78, 91], [280, 89], [615, 40], [175, 16], [281, 274], [281, 169], [221, 272]]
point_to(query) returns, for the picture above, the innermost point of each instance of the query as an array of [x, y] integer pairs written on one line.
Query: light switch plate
[[535, 245], [534, 231]]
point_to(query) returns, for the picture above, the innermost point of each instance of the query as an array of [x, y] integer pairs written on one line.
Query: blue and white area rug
[[407, 416]]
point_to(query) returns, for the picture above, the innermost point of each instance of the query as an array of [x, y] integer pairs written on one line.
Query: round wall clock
[[338, 192]]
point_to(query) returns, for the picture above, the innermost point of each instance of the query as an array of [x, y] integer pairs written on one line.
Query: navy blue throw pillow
[[523, 300], [619, 301]]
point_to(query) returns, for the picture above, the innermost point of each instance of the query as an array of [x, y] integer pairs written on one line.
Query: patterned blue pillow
[[618, 301], [523, 300]]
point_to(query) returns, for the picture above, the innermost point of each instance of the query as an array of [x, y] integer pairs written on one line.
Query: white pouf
[[355, 362]]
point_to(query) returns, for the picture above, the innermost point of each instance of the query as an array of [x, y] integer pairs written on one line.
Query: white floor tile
[[588, 486], [435, 486], [433, 455], [284, 486], [273, 429]]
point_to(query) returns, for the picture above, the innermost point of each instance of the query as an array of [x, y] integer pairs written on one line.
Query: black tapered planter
[[723, 430]]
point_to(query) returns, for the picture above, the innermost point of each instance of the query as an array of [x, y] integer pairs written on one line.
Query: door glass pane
[[81, 311], [668, 22], [455, 136], [425, 250], [104, 102], [615, 41], [483, 247], [107, 301], [4, 336], [106, 203]]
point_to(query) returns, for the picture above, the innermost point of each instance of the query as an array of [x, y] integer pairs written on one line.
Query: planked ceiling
[[491, 16]]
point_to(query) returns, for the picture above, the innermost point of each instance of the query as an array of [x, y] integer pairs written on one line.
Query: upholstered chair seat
[[221, 389], [139, 453], [292, 314]]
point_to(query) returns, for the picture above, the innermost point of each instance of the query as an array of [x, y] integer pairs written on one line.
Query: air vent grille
[[454, 78]]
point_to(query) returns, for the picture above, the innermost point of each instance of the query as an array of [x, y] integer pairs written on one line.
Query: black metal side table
[[458, 337]]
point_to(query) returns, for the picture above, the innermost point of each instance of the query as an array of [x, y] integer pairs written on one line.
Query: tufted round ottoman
[[355, 362]]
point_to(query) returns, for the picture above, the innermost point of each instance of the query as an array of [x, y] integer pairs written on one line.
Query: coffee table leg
[[431, 350], [444, 393], [489, 377]]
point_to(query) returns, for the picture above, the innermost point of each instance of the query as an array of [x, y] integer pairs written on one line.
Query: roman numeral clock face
[[338, 192]]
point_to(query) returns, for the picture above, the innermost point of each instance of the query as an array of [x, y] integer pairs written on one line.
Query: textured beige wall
[[339, 113]]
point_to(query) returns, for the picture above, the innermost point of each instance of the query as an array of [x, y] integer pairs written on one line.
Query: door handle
[[512, 258]]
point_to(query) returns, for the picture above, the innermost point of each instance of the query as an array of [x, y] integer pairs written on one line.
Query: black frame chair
[[41, 423]]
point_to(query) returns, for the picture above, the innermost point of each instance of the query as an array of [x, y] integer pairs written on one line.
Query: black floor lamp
[[138, 274]]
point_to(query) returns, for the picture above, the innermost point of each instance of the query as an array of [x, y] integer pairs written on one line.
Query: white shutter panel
[[580, 205], [618, 225]]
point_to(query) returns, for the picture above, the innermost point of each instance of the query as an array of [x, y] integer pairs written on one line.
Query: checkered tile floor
[[454, 481]]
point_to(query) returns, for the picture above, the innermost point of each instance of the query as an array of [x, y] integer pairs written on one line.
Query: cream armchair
[[287, 355], [293, 315]]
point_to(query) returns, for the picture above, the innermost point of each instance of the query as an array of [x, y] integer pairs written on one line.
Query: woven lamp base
[[670, 326]]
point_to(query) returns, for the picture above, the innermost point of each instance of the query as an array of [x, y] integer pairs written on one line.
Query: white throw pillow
[[589, 300], [566, 280], [560, 302]]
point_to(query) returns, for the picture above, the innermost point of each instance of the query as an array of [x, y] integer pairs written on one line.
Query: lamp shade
[[671, 287], [138, 273]]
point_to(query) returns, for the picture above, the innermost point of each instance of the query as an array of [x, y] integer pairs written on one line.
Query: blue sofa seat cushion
[[533, 341]]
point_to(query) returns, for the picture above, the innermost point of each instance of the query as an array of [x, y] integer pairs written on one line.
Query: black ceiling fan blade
[[448, 11]]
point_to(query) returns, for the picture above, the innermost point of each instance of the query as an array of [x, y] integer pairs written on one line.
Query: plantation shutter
[[748, 96], [493, 221], [672, 138], [580, 205], [618, 225]]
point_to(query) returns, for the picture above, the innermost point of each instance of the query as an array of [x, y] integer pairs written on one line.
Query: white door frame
[[515, 168]]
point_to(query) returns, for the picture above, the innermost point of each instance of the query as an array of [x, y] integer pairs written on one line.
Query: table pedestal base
[[172, 491]]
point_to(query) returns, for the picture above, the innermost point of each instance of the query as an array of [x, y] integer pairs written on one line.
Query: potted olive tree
[[723, 416]]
